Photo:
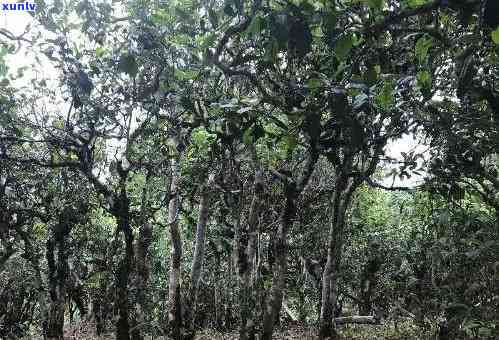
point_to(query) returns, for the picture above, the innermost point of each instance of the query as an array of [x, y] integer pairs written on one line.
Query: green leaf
[[248, 136], [202, 139], [100, 51], [495, 36], [424, 79], [180, 39], [253, 133], [199, 137], [188, 74], [317, 32], [291, 143], [127, 64], [256, 25], [208, 40], [314, 83], [416, 3], [182, 14], [356, 41], [343, 46], [422, 46], [376, 4], [384, 99], [58, 123], [160, 16]]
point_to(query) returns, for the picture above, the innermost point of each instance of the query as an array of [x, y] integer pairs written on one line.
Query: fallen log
[[366, 320]]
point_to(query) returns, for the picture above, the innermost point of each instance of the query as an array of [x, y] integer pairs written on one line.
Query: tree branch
[[373, 184], [11, 36], [393, 18]]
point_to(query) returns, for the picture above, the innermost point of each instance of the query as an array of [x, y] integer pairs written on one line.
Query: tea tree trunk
[[174, 312]]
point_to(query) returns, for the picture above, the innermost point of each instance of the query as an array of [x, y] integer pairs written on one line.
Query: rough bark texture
[[57, 274], [76, 291], [122, 213], [292, 191], [198, 257], [245, 263], [344, 189], [101, 304], [218, 289], [120, 209], [141, 263], [34, 260], [174, 312], [281, 262], [57, 260]]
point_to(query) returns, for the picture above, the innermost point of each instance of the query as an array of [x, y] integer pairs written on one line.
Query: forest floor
[[402, 331], [365, 332]]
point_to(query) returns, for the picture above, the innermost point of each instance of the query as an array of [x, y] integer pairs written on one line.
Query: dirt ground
[[402, 331], [359, 332]]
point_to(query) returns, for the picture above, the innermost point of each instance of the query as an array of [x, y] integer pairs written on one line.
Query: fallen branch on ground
[[357, 319]]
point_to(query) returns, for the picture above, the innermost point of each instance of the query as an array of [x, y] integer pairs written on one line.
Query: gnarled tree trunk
[[174, 298], [57, 285], [198, 257], [122, 213], [141, 249], [344, 188], [292, 191], [141, 263], [246, 257], [281, 262], [57, 260]]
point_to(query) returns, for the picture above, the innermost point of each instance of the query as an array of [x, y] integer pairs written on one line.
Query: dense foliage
[[168, 167]]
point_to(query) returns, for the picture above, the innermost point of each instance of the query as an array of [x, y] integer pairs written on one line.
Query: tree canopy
[[169, 167]]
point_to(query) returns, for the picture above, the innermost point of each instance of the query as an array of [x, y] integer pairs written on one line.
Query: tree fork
[[292, 191]]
